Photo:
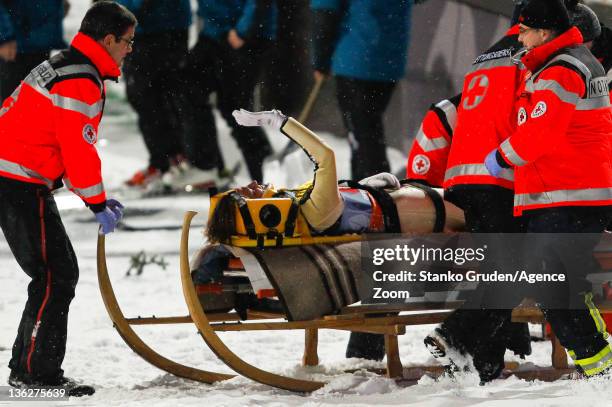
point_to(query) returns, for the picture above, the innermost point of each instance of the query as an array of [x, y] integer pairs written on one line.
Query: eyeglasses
[[129, 42]]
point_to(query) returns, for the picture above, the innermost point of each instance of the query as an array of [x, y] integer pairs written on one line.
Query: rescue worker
[[459, 328], [428, 155], [235, 38], [560, 154], [29, 30], [485, 117], [48, 132], [152, 76]]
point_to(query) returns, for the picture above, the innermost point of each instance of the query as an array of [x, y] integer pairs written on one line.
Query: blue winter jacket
[[370, 41], [252, 19], [35, 25], [156, 16]]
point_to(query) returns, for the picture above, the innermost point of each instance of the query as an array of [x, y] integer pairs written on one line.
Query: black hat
[[547, 14], [587, 22]]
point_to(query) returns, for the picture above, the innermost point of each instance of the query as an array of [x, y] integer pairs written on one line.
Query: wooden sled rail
[[132, 339]]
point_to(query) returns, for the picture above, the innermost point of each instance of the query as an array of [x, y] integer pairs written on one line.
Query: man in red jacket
[[429, 152], [48, 132], [484, 118], [561, 156]]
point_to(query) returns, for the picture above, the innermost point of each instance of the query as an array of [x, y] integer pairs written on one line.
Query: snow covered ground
[[96, 354]]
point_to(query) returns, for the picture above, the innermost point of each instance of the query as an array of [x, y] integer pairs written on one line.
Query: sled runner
[[211, 318]]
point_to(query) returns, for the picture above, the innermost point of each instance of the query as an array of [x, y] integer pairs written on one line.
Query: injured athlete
[[259, 215], [378, 204]]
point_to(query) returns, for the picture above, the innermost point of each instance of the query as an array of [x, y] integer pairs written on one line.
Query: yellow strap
[[244, 241]]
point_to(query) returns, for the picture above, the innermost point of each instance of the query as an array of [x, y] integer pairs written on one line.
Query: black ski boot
[[448, 352], [516, 337], [489, 361], [73, 389]]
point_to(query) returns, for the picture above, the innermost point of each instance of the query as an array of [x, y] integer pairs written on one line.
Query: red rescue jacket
[[562, 149], [49, 125], [485, 116], [429, 152]]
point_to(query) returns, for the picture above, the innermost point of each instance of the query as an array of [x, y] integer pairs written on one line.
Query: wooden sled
[[379, 319]]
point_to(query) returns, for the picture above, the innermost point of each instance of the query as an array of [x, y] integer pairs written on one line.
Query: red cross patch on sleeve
[[89, 134]]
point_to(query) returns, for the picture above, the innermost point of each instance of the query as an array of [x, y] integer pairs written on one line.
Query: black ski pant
[[568, 306], [215, 67], [479, 326], [13, 72], [362, 104], [152, 75], [35, 234]]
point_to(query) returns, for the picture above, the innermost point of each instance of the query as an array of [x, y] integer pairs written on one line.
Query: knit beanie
[[546, 14]]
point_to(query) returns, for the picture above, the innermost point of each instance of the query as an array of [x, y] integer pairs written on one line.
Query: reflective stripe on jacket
[[49, 125], [562, 150]]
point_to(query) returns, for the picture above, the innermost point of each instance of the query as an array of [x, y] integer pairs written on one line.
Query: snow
[[96, 354]]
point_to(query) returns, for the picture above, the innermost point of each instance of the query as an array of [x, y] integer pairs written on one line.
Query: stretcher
[[389, 320]]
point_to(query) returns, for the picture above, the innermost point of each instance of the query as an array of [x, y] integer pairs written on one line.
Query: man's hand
[[271, 118], [492, 165], [382, 180], [117, 208], [110, 216], [234, 40], [8, 51]]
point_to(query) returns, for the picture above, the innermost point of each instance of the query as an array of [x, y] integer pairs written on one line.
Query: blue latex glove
[[107, 220], [492, 165], [115, 206], [110, 216]]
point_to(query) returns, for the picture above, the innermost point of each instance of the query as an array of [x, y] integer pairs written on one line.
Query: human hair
[[107, 17], [222, 224]]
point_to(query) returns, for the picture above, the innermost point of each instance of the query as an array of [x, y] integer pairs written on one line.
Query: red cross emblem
[[420, 164], [89, 134], [477, 89]]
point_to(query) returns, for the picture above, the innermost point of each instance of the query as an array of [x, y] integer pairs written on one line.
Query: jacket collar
[[540, 55], [100, 58]]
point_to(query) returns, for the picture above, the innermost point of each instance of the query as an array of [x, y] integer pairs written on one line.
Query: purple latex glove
[[107, 220], [492, 165], [115, 206]]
